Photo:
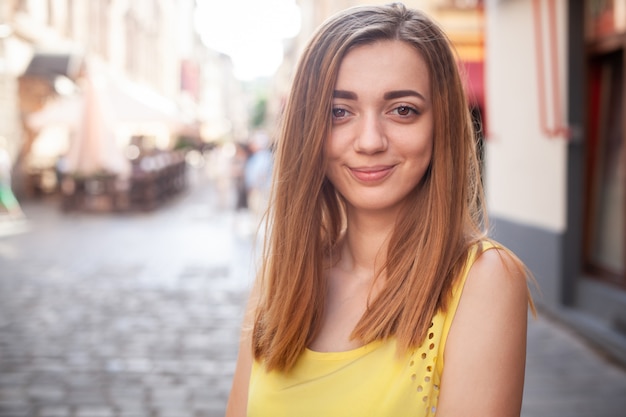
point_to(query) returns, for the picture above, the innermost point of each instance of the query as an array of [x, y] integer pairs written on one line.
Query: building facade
[[152, 50], [555, 155]]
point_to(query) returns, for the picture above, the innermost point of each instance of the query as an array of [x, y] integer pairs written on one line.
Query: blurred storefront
[[90, 78], [555, 156]]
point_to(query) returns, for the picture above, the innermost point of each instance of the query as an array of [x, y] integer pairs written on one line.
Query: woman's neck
[[364, 246]]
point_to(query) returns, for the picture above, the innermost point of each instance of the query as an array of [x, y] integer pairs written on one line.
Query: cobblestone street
[[122, 315], [139, 314]]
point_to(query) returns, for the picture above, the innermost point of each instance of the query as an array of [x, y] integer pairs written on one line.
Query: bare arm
[[238, 399], [485, 353]]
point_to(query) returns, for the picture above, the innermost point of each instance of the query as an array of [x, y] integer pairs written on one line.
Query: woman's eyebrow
[[349, 95], [390, 95], [402, 93]]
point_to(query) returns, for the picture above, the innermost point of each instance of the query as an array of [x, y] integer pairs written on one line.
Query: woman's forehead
[[388, 65]]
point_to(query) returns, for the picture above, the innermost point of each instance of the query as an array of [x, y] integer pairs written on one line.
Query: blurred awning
[[49, 66], [126, 103]]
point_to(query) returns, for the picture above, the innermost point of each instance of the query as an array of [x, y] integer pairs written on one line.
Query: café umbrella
[[93, 148], [102, 107]]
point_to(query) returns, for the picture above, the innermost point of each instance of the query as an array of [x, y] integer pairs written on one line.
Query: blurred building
[[9, 71], [555, 155], [159, 79]]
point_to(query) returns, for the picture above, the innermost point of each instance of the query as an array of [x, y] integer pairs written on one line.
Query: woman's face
[[382, 135]]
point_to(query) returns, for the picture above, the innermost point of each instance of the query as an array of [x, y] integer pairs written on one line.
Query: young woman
[[380, 293]]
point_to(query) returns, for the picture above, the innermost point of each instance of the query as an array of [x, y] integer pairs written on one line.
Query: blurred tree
[[259, 112]]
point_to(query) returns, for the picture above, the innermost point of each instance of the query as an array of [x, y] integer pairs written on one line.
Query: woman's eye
[[338, 113], [405, 110]]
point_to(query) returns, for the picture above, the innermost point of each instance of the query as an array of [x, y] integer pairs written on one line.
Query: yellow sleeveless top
[[368, 381]]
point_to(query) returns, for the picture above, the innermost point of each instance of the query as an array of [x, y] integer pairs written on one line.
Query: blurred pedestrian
[[10, 207], [258, 173], [238, 170], [380, 293]]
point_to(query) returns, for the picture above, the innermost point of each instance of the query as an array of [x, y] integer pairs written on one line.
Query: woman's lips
[[371, 174]]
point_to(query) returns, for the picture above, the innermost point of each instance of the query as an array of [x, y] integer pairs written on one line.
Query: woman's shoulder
[[496, 283], [494, 265], [488, 327], [493, 277], [487, 258]]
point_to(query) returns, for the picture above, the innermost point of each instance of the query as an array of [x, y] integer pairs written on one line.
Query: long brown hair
[[441, 220]]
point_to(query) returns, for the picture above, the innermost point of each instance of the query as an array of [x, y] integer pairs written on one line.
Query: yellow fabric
[[369, 381]]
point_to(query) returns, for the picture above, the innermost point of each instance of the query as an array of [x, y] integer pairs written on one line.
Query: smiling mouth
[[372, 174]]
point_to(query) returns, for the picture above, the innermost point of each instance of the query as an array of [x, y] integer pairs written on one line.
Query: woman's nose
[[370, 137]]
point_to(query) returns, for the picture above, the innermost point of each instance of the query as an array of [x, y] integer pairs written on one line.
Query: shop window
[[606, 184]]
